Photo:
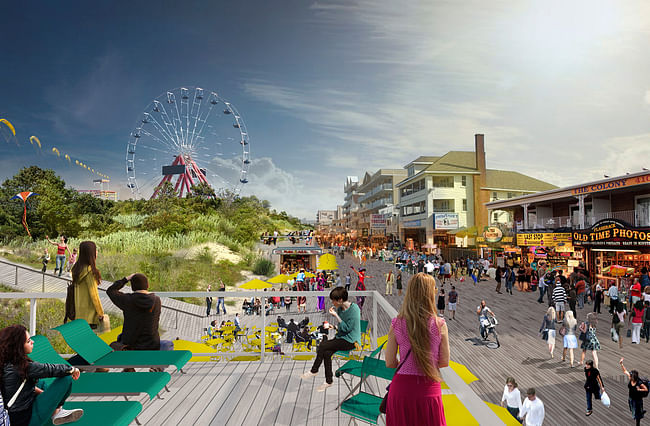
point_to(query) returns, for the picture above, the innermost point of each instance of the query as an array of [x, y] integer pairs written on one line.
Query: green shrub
[[263, 267]]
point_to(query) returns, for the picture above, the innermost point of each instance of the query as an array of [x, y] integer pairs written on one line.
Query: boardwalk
[[525, 356]]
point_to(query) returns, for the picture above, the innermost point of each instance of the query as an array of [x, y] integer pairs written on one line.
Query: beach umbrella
[[327, 262], [255, 284], [279, 279]]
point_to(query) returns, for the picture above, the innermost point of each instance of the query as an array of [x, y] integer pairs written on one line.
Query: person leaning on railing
[[348, 332], [415, 396]]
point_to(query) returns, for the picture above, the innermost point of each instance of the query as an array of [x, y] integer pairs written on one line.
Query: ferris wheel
[[188, 136]]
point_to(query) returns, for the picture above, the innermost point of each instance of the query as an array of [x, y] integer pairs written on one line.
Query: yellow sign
[[546, 239]]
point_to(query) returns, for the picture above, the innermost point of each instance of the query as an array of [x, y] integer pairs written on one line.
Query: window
[[495, 217], [464, 204], [413, 209], [411, 171], [413, 188], [642, 212], [511, 195], [494, 196], [463, 180], [443, 205], [443, 182]]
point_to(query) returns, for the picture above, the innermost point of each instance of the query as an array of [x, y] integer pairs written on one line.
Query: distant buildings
[[430, 200]]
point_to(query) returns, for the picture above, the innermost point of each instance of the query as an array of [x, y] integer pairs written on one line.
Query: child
[[45, 259], [73, 259]]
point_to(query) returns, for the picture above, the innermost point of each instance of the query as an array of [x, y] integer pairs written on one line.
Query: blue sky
[[331, 89]]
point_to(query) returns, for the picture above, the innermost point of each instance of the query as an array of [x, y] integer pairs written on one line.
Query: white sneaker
[[323, 387], [308, 375], [67, 416]]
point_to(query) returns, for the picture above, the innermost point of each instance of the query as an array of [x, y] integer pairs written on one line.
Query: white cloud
[[551, 87]]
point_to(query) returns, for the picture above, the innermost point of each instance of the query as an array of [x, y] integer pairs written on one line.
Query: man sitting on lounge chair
[[141, 314]]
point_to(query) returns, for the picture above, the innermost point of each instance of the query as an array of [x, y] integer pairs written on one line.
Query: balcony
[[555, 222], [383, 187]]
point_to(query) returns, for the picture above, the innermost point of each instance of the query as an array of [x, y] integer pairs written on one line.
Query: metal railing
[[377, 300]]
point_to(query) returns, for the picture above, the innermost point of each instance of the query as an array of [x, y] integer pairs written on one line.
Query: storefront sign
[[492, 234], [613, 184], [377, 221], [412, 224], [546, 239], [445, 220], [612, 232], [504, 240], [297, 251]]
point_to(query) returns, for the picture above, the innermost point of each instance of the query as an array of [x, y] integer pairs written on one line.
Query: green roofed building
[[444, 194]]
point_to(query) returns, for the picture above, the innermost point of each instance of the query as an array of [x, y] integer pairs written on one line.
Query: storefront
[[556, 248], [415, 234], [498, 248], [291, 259], [616, 251]]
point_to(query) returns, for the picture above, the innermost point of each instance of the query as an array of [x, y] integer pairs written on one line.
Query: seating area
[[93, 353]]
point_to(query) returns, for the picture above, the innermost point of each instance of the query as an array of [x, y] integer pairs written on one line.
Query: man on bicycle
[[482, 311]]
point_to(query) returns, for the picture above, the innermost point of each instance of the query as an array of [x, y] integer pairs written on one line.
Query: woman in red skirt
[[415, 396]]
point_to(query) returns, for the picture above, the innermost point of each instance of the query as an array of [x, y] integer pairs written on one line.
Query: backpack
[[70, 312], [4, 415], [615, 318], [645, 381]]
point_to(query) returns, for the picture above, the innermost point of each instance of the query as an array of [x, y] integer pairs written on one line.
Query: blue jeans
[[220, 302], [60, 263], [581, 300], [541, 294], [589, 394]]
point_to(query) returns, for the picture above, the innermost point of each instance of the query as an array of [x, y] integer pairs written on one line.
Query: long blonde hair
[[418, 309], [570, 319], [550, 313]]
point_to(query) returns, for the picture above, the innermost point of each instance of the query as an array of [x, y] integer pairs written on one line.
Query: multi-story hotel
[[441, 195]]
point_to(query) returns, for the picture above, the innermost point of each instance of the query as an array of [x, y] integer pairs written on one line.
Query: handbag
[[562, 331], [604, 398], [384, 402], [545, 334], [104, 325]]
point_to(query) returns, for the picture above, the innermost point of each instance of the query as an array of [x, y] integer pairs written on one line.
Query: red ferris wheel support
[[188, 172]]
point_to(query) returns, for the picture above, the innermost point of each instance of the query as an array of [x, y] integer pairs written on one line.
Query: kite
[[24, 196]]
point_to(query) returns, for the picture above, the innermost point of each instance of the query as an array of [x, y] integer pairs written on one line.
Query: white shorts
[[452, 306], [559, 307]]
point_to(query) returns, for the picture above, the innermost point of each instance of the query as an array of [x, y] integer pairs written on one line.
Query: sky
[[329, 89]]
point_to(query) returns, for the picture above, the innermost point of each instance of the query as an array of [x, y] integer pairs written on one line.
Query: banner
[[612, 232], [377, 221], [546, 239], [445, 220]]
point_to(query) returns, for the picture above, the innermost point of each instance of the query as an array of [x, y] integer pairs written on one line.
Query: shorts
[[559, 307], [452, 306], [447, 275]]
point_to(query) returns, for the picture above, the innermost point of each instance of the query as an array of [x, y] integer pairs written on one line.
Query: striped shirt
[[559, 294]]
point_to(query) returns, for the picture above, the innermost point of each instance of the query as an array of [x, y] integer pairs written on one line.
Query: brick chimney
[[479, 149], [481, 196]]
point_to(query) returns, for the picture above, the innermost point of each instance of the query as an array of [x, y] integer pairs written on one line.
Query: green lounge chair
[[353, 368], [365, 406], [102, 384], [114, 413], [80, 337]]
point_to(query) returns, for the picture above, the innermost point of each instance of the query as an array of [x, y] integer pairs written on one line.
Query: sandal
[[588, 413]]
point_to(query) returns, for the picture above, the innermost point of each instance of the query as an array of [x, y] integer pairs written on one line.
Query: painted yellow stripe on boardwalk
[[455, 412], [503, 414], [463, 372]]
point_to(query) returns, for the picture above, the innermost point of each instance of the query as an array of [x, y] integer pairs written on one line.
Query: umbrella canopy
[[279, 279], [307, 275], [255, 284], [327, 262]]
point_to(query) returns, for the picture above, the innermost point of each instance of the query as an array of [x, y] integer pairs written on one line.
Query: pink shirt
[[401, 335]]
